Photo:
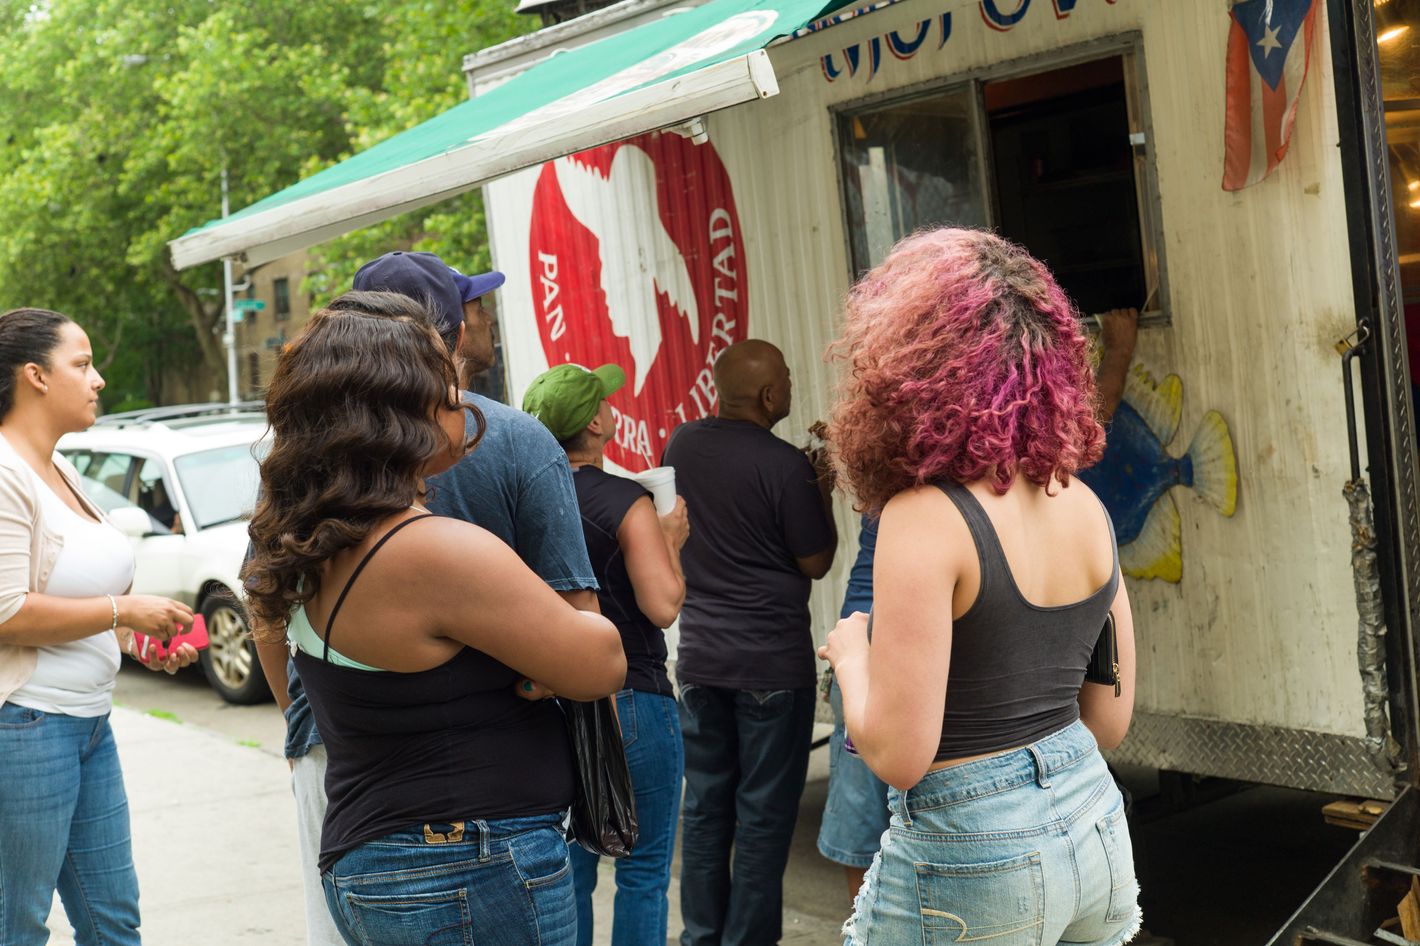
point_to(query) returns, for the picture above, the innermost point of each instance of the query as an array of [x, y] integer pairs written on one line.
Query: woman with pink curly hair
[[966, 407]]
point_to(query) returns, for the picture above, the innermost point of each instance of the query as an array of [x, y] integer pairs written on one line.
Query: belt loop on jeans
[[1042, 774], [899, 804], [483, 853]]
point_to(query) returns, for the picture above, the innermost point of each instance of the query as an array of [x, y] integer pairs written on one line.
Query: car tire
[[229, 662]]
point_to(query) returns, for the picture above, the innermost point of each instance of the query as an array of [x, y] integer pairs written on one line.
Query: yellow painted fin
[[1215, 463], [1160, 403], [1157, 552]]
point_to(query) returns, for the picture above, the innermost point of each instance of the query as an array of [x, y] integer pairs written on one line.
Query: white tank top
[[76, 679]]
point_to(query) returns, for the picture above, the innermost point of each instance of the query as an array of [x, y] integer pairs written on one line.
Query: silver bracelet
[[113, 604]]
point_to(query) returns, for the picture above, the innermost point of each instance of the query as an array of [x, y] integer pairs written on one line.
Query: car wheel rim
[[228, 652]]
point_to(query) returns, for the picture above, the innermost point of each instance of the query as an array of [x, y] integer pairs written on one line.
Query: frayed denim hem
[[867, 894], [1131, 931]]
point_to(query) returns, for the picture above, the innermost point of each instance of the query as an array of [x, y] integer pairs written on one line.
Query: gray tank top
[[1016, 668]]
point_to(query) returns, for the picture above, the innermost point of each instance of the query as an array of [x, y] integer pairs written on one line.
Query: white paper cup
[[660, 480]]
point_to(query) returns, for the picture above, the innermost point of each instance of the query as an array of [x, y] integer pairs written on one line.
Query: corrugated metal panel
[[1261, 629]]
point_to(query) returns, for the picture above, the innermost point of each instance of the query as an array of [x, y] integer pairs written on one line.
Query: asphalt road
[[1225, 873]]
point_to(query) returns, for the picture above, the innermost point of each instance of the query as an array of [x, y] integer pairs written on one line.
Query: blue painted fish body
[[1134, 473]]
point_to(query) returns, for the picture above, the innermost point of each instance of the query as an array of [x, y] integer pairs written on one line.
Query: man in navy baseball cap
[[455, 300]]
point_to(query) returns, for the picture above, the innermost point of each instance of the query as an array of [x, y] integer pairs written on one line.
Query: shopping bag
[[604, 808]]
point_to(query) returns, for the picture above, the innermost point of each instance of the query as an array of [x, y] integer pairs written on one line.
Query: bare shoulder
[[449, 545], [924, 516], [1084, 503], [919, 501]]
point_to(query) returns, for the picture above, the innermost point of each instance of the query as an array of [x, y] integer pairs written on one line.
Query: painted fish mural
[[1134, 477]]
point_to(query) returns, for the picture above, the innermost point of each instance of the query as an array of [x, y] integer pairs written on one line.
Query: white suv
[[182, 482]]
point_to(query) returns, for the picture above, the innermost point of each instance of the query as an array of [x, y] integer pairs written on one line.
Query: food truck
[[663, 178]]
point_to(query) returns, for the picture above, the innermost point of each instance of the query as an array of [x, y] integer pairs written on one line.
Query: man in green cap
[[635, 557]]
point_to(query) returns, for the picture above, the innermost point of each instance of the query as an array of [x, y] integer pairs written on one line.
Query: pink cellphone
[[152, 647]]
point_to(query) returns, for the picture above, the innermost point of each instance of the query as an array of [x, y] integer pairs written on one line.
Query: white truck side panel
[[1261, 629]]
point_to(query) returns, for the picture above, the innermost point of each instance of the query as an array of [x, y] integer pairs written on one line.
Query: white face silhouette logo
[[637, 259]]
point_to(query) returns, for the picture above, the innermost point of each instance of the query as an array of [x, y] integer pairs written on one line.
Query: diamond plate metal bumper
[[1294, 758]]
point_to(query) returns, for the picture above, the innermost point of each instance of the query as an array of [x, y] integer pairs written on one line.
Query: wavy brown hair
[[352, 406]]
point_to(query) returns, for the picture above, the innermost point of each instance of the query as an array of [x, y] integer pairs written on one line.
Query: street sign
[[255, 305]]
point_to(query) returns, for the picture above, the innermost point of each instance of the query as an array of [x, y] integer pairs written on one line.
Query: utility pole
[[229, 337]]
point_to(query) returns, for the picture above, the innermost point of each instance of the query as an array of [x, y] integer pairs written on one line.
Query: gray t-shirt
[[518, 485], [755, 508]]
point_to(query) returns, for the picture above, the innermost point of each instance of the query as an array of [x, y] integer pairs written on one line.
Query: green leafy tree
[[117, 118]]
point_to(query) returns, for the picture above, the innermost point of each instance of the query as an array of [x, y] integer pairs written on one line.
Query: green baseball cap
[[566, 398]]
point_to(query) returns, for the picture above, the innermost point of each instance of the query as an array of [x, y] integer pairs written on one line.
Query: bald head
[[752, 380]]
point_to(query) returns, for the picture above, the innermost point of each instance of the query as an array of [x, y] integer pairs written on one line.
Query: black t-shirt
[[754, 508], [605, 500]]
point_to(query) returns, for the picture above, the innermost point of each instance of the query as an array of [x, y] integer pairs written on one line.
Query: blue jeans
[[64, 826], [1026, 847], [856, 813], [746, 756], [650, 730], [495, 883]]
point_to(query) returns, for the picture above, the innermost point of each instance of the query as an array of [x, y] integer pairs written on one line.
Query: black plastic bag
[[604, 810]]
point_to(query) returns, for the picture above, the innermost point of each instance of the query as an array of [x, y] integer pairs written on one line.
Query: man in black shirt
[[763, 531]]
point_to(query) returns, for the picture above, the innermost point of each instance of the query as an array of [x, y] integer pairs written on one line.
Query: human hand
[[532, 691], [847, 641], [822, 460], [675, 525], [181, 656], [153, 615], [1119, 329]]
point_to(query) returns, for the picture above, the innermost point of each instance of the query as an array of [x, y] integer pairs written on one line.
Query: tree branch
[[200, 318], [110, 346]]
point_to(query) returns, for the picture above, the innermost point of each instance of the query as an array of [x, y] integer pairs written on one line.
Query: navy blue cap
[[474, 286], [421, 276]]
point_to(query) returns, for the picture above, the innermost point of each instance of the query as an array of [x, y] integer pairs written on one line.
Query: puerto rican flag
[[1269, 51]]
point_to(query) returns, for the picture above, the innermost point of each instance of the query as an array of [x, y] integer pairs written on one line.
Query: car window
[[100, 495], [220, 484], [153, 496], [82, 459], [110, 469]]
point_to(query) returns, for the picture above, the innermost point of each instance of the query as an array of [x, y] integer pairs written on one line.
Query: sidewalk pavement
[[214, 841], [214, 838]]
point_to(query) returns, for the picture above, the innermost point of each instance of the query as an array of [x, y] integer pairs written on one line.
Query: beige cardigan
[[28, 551]]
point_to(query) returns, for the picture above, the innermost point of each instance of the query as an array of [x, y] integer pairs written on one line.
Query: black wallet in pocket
[[1104, 661]]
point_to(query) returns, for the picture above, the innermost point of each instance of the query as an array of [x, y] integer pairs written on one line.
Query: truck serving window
[[1052, 159], [911, 165]]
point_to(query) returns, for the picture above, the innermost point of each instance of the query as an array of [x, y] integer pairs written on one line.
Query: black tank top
[[1016, 668], [452, 743]]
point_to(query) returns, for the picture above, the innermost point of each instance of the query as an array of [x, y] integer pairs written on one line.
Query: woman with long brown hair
[[967, 406], [410, 632], [65, 616]]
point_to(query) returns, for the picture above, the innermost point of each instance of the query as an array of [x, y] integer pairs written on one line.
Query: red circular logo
[[637, 259]]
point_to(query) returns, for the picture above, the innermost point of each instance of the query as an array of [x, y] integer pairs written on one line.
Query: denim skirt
[[1026, 848]]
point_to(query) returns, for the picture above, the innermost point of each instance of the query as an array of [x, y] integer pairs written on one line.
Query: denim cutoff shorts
[[456, 884], [856, 813], [1026, 847]]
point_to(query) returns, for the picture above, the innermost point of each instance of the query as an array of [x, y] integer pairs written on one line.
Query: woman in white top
[[64, 617]]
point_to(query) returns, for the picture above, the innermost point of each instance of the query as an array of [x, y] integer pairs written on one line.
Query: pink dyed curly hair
[[964, 361]]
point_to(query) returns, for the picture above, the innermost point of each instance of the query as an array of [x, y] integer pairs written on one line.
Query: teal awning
[[657, 75]]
